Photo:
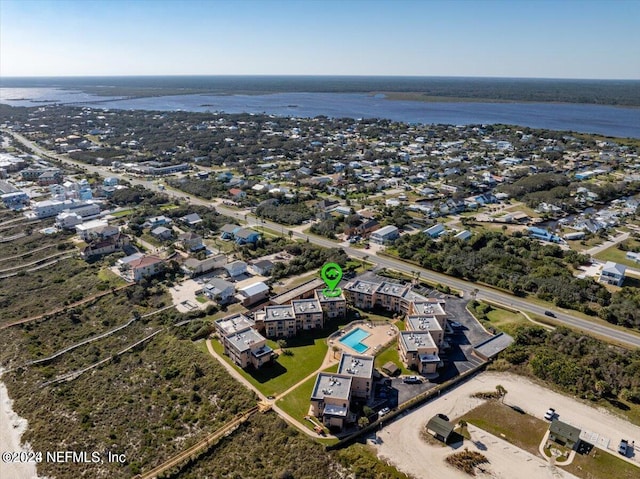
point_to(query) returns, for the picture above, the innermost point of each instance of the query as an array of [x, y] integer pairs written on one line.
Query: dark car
[[550, 313]]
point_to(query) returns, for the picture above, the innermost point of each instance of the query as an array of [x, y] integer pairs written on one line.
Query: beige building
[[308, 314], [360, 369], [418, 351], [331, 399], [426, 324], [333, 307], [277, 321], [247, 348]]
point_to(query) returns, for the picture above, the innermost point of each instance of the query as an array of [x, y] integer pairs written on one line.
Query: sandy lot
[[402, 446], [11, 428]]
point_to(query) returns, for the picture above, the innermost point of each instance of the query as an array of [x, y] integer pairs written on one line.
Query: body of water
[[582, 118], [354, 340]]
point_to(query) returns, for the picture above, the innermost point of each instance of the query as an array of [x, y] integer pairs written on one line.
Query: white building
[[612, 273], [384, 234]]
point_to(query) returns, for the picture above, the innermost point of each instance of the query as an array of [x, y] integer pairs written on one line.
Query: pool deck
[[379, 336]]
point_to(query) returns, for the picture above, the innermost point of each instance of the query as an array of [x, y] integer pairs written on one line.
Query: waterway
[[582, 118]]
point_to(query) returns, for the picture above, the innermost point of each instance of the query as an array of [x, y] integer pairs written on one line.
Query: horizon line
[[274, 75]]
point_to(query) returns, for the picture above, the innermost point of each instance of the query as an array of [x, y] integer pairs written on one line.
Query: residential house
[[331, 399], [246, 235], [219, 290], [384, 235], [613, 273], [262, 267], [236, 268], [143, 267], [155, 221], [191, 242], [435, 231], [232, 324], [192, 219], [564, 434], [106, 245], [227, 231], [162, 233], [237, 194], [543, 235], [194, 267]]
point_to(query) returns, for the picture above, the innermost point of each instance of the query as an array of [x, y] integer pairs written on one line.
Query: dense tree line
[[578, 364], [523, 266], [283, 212], [307, 256]]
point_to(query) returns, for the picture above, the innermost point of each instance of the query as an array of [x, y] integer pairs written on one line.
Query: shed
[[440, 428], [390, 368], [564, 434]]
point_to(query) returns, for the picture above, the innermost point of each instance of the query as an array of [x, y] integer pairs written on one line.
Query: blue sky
[[516, 38]]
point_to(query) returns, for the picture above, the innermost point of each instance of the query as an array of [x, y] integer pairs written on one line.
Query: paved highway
[[599, 329]]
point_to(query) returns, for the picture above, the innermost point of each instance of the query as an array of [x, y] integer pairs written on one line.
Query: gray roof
[[253, 289], [306, 306], [414, 340], [233, 324], [386, 230], [332, 385], [392, 289], [333, 410], [356, 365], [429, 308], [564, 430], [440, 427], [327, 299], [359, 286], [423, 323], [278, 313], [614, 268], [243, 340]]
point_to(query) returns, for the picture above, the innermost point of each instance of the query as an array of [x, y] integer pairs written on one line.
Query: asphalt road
[[602, 330]]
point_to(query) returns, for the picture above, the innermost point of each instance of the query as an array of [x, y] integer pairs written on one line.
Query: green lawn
[[296, 403], [618, 256], [308, 354], [122, 213], [522, 430], [390, 354], [526, 432], [505, 320]]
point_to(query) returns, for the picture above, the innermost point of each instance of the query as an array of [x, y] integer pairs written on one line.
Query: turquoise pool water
[[353, 340]]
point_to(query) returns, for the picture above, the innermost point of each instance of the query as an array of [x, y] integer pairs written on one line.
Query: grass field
[[390, 354], [618, 256], [503, 320], [307, 357], [526, 432]]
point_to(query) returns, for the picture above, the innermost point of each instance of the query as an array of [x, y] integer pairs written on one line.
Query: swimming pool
[[353, 340]]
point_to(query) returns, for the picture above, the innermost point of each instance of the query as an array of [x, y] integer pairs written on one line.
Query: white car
[[550, 414], [383, 412]]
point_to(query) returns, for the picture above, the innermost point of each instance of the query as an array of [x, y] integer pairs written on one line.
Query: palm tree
[[502, 392]]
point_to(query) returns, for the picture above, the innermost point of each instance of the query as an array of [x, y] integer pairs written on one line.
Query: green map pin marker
[[331, 274]]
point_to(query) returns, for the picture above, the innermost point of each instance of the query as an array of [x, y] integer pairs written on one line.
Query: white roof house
[[613, 273], [384, 234]]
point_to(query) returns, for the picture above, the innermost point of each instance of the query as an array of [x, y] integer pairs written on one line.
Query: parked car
[[443, 416], [623, 447], [550, 414], [550, 314], [455, 324], [383, 412], [412, 380]]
